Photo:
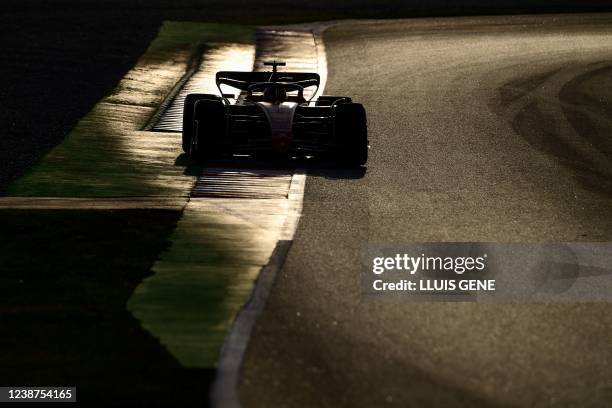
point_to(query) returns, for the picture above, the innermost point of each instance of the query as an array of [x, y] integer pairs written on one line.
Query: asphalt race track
[[481, 129]]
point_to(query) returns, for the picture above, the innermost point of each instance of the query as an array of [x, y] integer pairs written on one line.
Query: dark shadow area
[[520, 87], [191, 167], [587, 104], [259, 11], [319, 168], [540, 130], [57, 63], [66, 276]]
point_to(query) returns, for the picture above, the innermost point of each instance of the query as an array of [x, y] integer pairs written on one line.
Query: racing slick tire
[[351, 134], [188, 116], [209, 128]]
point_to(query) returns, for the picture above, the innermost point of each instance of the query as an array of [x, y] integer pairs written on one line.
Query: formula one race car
[[271, 117]]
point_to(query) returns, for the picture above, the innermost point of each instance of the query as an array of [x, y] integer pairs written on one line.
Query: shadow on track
[[571, 126], [325, 169]]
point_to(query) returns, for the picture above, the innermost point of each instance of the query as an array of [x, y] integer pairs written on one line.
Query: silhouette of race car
[[270, 117]]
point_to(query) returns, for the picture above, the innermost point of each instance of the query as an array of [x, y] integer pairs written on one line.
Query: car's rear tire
[[207, 141], [189, 117], [351, 134]]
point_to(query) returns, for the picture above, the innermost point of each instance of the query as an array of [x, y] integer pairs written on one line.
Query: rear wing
[[242, 80]]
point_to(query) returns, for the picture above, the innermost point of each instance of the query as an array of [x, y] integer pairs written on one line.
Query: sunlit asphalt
[[476, 135]]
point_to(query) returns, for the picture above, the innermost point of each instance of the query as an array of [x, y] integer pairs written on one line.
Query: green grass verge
[[198, 286]]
